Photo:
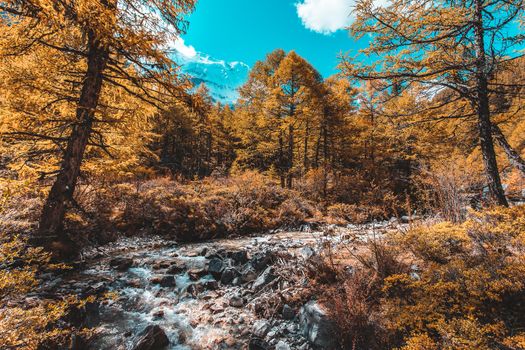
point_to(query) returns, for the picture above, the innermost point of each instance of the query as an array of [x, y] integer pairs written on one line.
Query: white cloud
[[325, 16], [187, 51], [328, 16]]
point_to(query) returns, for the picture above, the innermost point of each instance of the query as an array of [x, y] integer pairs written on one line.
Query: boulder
[[258, 344], [164, 281], [215, 268], [236, 301], [161, 265], [176, 268], [196, 273], [288, 313], [261, 328], [282, 345], [240, 257], [248, 275], [261, 260], [317, 327], [151, 338], [121, 264], [195, 289], [228, 275], [210, 285], [266, 277], [306, 252], [87, 315]]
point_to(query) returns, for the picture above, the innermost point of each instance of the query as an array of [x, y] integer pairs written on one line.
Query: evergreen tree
[[453, 45]]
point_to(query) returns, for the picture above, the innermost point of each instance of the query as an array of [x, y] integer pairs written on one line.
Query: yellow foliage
[[24, 322], [468, 281]]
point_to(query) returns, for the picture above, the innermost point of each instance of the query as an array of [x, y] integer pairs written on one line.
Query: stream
[[222, 294]]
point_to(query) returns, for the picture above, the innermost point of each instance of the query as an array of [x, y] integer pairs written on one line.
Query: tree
[[441, 44], [115, 44], [292, 102]]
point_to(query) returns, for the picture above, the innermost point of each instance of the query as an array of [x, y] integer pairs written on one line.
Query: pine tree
[[116, 44], [453, 45]]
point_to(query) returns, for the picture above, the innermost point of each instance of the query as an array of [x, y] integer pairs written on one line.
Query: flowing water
[[196, 312]]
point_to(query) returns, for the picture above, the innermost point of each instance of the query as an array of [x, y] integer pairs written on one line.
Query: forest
[[380, 207]]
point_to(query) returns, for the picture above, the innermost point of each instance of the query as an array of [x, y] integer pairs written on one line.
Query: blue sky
[[246, 30]]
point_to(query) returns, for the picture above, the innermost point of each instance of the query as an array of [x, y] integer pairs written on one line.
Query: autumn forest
[[379, 207]]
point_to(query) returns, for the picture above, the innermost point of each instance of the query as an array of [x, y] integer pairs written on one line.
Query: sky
[[246, 30]]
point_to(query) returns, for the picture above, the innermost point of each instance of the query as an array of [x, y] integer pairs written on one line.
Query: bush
[[199, 210], [465, 288], [28, 323]]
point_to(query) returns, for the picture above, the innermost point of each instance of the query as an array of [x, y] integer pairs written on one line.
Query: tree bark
[[307, 135], [483, 110], [281, 160], [289, 182], [513, 156], [325, 159], [51, 221]]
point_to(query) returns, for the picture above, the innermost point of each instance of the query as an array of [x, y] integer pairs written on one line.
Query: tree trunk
[[281, 160], [513, 156], [325, 160], [51, 233], [305, 159], [484, 124], [289, 182]]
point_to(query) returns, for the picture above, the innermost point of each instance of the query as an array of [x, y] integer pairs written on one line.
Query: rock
[[214, 254], [161, 265], [203, 251], [258, 344], [215, 268], [95, 289], [196, 273], [248, 275], [175, 269], [228, 275], [210, 285], [288, 313], [266, 277], [261, 328], [306, 252], [164, 281], [261, 260], [240, 257], [317, 327], [134, 283], [151, 338], [194, 289], [236, 301], [192, 253], [282, 345], [405, 219], [83, 316], [158, 314], [121, 264]]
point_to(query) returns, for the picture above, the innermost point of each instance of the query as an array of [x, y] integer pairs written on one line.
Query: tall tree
[[297, 85], [442, 44], [118, 43]]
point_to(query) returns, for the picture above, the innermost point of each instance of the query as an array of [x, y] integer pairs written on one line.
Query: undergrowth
[[444, 286]]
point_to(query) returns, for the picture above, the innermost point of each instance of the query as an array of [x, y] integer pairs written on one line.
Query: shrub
[[342, 213], [212, 207], [465, 288], [27, 323]]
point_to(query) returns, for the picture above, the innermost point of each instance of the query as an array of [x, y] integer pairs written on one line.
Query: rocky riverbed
[[242, 293]]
